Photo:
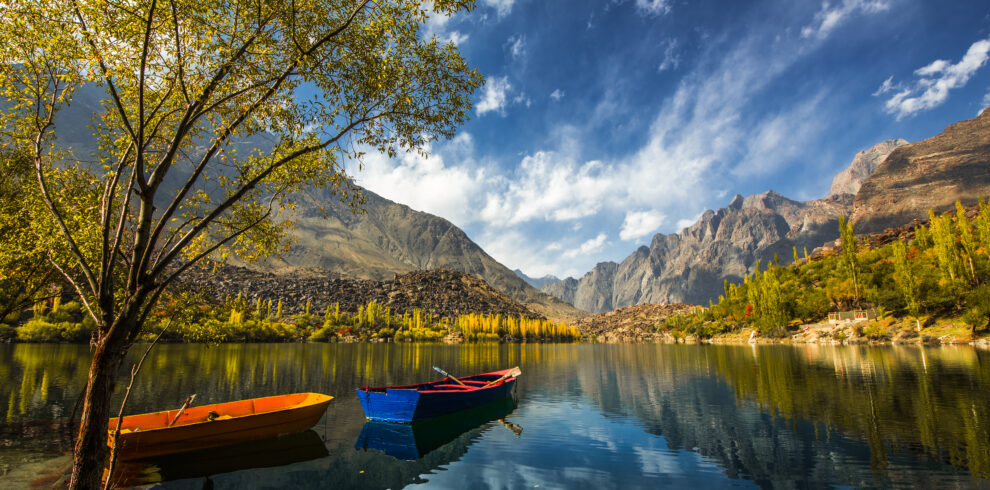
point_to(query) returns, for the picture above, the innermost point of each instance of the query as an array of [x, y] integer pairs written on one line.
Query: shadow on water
[[413, 441], [267, 453]]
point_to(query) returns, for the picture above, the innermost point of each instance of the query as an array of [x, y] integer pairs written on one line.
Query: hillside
[[387, 238], [929, 174], [441, 293]]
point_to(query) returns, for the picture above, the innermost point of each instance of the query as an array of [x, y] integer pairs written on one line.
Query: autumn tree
[[848, 238], [215, 114], [907, 281], [24, 271]]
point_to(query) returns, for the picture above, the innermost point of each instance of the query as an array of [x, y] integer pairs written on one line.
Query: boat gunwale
[[424, 387]]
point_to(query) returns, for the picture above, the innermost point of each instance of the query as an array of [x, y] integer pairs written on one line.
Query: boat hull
[[148, 435], [407, 404]]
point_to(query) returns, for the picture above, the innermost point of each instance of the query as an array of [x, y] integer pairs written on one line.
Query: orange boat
[[154, 434]]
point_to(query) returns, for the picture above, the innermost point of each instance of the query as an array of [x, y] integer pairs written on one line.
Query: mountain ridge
[[724, 245]]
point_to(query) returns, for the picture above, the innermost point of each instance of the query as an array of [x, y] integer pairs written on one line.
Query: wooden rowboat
[[154, 434], [411, 403]]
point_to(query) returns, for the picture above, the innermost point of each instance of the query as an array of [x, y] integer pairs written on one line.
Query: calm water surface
[[591, 416]]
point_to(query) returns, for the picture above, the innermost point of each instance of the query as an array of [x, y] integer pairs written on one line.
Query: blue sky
[[604, 122]]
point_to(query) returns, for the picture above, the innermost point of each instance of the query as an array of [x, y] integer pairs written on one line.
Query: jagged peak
[[737, 202], [849, 179]]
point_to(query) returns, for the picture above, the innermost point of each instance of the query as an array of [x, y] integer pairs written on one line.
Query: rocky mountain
[[690, 266], [537, 282], [442, 293], [384, 238], [863, 165], [888, 185], [933, 173]]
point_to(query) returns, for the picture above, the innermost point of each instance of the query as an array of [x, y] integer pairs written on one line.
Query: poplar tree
[[906, 281], [848, 238], [187, 84]]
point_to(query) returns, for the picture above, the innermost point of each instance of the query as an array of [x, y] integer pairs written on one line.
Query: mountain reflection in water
[[594, 415]]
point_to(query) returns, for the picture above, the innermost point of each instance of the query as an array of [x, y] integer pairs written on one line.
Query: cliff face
[[863, 165], [933, 173], [690, 266]]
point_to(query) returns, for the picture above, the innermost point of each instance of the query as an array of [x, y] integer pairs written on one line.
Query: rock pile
[[442, 293], [637, 323]]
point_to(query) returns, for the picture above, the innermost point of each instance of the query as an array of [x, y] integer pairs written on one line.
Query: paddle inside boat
[[186, 429], [411, 403]]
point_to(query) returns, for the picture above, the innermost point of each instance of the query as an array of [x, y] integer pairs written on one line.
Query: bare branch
[[106, 73], [72, 282], [46, 197], [227, 131]]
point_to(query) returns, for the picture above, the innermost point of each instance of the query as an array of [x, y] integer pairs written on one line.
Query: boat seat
[[454, 386]]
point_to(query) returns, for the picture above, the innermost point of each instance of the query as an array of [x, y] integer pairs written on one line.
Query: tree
[[24, 271], [907, 282], [215, 114], [848, 237]]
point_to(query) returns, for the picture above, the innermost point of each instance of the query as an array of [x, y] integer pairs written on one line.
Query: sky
[[602, 123]]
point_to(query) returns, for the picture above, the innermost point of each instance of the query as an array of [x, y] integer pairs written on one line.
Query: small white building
[[837, 317]]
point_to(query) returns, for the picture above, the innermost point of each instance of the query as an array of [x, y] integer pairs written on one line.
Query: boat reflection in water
[[413, 441], [265, 453]]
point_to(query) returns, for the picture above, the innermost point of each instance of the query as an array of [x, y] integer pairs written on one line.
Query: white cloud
[[640, 223], [702, 136], [831, 15], [502, 7], [427, 183], [653, 7], [587, 248], [438, 25], [551, 187], [779, 139], [456, 37], [986, 102], [888, 85], [495, 96], [517, 45], [935, 80], [671, 58], [684, 223]]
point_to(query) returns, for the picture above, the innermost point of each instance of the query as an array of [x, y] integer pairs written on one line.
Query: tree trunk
[[91, 444]]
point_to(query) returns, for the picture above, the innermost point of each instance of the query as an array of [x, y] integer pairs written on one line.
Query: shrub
[[7, 332], [324, 334], [40, 330]]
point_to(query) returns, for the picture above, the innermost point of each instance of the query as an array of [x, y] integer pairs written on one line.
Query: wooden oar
[[512, 372], [441, 371], [183, 408]]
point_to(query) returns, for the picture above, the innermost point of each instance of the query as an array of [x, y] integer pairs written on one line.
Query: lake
[[583, 416]]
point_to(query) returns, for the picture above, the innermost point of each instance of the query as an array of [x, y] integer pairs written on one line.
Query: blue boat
[[411, 403]]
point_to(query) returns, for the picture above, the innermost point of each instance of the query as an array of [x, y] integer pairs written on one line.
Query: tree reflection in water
[[830, 414]]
